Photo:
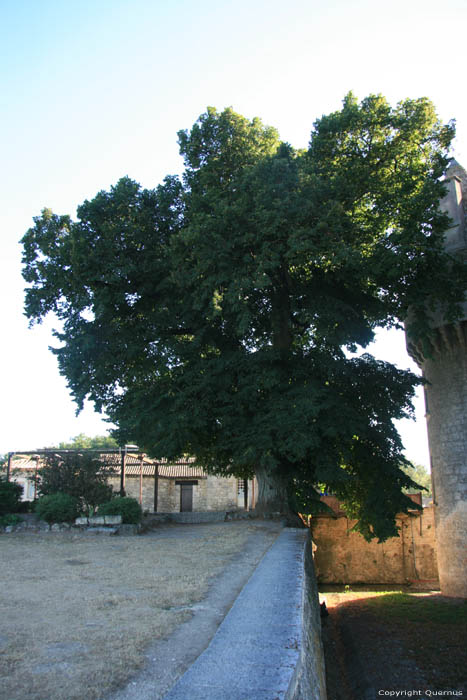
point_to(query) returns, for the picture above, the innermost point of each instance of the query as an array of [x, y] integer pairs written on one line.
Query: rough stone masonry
[[446, 408]]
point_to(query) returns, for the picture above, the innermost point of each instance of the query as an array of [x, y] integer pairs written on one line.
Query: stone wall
[[444, 365], [309, 678], [221, 494], [446, 404], [209, 494], [132, 489], [343, 556]]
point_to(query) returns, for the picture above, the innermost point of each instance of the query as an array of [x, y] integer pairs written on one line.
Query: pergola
[[124, 461]]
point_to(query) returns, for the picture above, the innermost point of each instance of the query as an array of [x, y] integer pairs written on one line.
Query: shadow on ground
[[377, 641]]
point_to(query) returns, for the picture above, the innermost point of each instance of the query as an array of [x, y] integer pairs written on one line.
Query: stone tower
[[446, 408]]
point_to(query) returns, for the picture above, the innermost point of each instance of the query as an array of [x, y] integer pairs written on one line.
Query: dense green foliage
[[10, 519], [127, 507], [218, 315], [80, 475], [57, 508], [10, 496]]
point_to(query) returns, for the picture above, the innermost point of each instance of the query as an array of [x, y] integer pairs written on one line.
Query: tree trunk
[[273, 499], [280, 320], [272, 492]]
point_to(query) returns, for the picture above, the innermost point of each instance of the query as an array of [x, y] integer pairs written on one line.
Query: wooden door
[[186, 498]]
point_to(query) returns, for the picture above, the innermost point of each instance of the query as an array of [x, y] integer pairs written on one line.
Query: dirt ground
[[370, 653], [77, 612]]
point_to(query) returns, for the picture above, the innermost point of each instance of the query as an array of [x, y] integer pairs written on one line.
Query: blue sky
[[92, 91]]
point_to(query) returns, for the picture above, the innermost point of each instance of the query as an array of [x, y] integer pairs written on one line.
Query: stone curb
[[256, 649]]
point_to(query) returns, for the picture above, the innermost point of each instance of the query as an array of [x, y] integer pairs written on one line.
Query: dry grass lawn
[[77, 611]]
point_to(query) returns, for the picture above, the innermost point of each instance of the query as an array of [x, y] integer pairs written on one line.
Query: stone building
[[181, 487], [159, 486], [445, 368]]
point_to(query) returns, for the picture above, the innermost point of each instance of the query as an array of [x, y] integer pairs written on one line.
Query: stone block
[[113, 519], [128, 529], [102, 530], [81, 521], [97, 520]]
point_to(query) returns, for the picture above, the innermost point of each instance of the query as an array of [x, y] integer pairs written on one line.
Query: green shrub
[[10, 496], [128, 508], [9, 519], [82, 476], [26, 507], [57, 508]]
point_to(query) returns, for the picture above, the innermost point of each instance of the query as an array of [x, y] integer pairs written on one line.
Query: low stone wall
[[98, 525], [309, 679], [209, 517], [343, 556], [106, 525], [269, 643], [191, 517]]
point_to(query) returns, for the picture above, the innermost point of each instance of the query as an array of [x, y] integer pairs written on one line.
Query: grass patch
[[418, 608], [403, 639]]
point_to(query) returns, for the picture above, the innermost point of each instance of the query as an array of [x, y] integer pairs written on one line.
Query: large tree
[[220, 315]]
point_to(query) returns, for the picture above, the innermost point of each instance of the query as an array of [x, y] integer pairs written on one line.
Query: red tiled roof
[[167, 470], [23, 463], [181, 470]]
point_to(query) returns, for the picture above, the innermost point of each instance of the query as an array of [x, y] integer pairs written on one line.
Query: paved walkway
[[169, 657], [254, 652]]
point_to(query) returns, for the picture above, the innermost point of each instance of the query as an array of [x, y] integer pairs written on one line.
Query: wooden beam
[[8, 466], [35, 477], [156, 486], [141, 460], [122, 473], [245, 493]]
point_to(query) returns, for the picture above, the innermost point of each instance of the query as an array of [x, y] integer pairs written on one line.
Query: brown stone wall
[[343, 556]]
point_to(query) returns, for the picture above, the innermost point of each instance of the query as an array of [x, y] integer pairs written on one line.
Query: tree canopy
[[219, 314], [86, 442]]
